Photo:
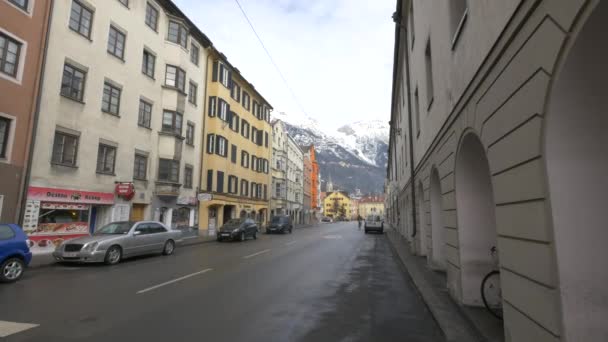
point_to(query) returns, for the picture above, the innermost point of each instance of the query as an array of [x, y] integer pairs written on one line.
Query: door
[[137, 213], [141, 243], [158, 236]]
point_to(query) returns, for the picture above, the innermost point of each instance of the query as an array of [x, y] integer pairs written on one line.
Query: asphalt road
[[325, 283]]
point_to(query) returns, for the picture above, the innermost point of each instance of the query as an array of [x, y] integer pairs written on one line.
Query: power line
[[293, 94]]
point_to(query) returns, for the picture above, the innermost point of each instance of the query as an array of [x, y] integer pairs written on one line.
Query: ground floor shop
[[215, 210], [177, 212]]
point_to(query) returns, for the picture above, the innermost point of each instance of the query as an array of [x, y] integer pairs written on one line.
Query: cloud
[[335, 54]]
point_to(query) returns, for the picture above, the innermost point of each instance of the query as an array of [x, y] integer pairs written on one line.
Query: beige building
[[295, 181], [278, 167], [371, 205], [119, 135], [498, 138]]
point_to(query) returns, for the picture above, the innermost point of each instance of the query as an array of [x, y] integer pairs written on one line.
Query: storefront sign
[[120, 212], [186, 200], [125, 190], [69, 196], [30, 217], [49, 205], [202, 197]]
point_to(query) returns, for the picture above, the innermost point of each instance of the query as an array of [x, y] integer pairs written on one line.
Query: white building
[[498, 138], [278, 198], [295, 181], [122, 100]]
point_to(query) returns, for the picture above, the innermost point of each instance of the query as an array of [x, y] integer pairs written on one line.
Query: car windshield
[[279, 219], [233, 223], [115, 228]]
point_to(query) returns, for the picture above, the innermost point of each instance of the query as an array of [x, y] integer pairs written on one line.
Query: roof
[[372, 199]]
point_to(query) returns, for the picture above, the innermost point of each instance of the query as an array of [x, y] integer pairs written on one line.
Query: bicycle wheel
[[491, 293]]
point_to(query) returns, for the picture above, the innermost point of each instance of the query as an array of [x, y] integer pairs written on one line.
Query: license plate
[[70, 255], [225, 234]]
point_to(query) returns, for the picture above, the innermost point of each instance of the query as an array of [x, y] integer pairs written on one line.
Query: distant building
[[295, 166], [336, 205], [278, 167], [307, 189], [315, 184], [371, 205]]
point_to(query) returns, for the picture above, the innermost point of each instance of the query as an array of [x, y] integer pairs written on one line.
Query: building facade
[[23, 35], [336, 205], [295, 181], [236, 163], [306, 189], [278, 202], [315, 184], [371, 205], [118, 136], [498, 140]]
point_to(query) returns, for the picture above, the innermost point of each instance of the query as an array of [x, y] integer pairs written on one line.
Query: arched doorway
[[436, 257], [229, 211], [243, 214], [421, 219], [576, 148], [476, 217]]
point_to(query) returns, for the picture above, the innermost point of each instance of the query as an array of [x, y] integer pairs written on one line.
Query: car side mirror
[[137, 232]]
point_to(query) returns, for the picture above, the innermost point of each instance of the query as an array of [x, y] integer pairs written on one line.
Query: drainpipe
[[25, 181]]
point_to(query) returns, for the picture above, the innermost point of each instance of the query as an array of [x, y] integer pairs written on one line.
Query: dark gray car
[[280, 224], [238, 229]]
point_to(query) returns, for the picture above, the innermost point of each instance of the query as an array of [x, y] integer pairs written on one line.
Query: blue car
[[15, 254]]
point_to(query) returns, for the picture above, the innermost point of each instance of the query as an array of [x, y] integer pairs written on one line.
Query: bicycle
[[491, 293]]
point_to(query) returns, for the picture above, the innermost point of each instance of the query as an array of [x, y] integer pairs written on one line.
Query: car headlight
[[235, 231], [89, 247]]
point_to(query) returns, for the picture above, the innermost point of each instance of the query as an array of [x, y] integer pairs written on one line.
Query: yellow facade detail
[[337, 204]]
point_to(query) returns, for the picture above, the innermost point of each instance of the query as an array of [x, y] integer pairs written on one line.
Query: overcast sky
[[335, 54]]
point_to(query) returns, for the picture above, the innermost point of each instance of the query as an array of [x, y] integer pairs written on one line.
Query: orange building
[[309, 152]]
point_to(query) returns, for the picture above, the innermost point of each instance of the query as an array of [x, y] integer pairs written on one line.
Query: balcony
[[167, 189]]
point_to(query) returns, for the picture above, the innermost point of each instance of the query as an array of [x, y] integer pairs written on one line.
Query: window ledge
[[111, 114], [166, 182], [140, 180], [191, 145], [148, 76], [122, 59], [73, 99], [105, 173], [64, 165], [80, 34], [145, 127], [193, 104], [169, 134]]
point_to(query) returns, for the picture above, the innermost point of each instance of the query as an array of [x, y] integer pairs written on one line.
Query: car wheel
[[169, 247], [113, 255], [11, 270], [242, 236]]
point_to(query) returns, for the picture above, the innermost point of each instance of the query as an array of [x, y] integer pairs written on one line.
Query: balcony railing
[[167, 189]]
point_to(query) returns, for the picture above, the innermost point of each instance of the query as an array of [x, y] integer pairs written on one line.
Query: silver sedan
[[119, 240]]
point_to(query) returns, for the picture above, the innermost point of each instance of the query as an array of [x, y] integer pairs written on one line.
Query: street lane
[[324, 283]]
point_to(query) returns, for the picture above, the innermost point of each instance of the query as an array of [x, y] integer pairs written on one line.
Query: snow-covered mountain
[[355, 156]]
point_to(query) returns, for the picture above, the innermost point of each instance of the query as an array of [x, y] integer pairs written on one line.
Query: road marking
[[174, 280], [10, 328], [332, 236], [258, 253], [290, 243]]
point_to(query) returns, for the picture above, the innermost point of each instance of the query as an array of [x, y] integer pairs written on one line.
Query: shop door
[[137, 213]]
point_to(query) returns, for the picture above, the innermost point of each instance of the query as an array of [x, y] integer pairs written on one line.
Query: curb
[[455, 326]]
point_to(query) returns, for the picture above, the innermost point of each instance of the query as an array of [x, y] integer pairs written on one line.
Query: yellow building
[[235, 177], [336, 205], [371, 205]]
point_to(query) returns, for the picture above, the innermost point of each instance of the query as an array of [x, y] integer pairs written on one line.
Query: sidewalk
[[450, 317]]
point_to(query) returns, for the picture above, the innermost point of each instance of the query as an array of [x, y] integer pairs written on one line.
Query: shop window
[[180, 217]]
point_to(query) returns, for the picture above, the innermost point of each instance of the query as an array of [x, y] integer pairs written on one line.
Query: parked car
[[238, 229], [118, 240], [326, 219], [15, 253], [374, 223], [280, 224]]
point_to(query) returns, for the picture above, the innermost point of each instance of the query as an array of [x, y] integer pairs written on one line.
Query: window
[[254, 135], [220, 182], [110, 102], [175, 77], [254, 187], [116, 43], [458, 16], [209, 180], [254, 163], [10, 50], [233, 154], [266, 192], [23, 4], [417, 111], [81, 19], [278, 190], [224, 108], [148, 64], [235, 92], [245, 129], [192, 93], [221, 146], [5, 125], [172, 122], [212, 106], [188, 171], [145, 114], [168, 170], [246, 100], [194, 54], [266, 139], [225, 75], [72, 83], [244, 188], [151, 16], [245, 159], [124, 2], [190, 134], [65, 147], [140, 167], [233, 183], [178, 34], [256, 109], [429, 74], [106, 158], [234, 122], [210, 143]]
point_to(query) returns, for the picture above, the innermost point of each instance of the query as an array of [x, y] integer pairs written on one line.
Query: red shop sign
[[69, 196], [125, 190]]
